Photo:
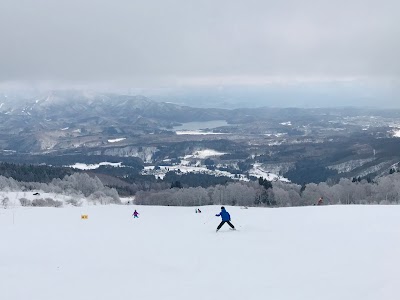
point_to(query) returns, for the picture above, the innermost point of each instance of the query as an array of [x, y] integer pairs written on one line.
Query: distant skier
[[226, 218], [135, 214]]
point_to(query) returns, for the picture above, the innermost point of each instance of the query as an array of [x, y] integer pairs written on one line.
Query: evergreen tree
[[176, 184]]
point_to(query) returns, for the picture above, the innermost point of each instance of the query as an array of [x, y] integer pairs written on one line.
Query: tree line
[[33, 173], [261, 192], [77, 185], [385, 190]]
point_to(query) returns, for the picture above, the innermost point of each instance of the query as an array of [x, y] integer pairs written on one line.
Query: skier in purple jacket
[[135, 214], [226, 218]]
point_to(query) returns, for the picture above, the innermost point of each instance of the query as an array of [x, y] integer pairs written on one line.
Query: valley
[[65, 128]]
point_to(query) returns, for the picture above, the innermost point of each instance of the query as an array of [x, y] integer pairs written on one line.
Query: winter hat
[[222, 207]]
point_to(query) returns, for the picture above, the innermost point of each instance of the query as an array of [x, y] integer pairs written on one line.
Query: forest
[[190, 190], [77, 185], [385, 190]]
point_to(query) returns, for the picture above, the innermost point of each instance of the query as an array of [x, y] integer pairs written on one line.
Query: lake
[[201, 125]]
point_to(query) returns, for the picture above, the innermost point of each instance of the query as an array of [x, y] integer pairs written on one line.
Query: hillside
[[308, 253]]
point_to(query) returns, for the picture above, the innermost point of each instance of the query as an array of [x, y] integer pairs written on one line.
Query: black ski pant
[[223, 222]]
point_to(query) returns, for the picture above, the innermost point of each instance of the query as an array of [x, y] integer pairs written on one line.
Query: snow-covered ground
[[310, 253], [116, 140], [258, 171], [82, 166], [205, 153], [289, 123], [186, 166], [182, 169]]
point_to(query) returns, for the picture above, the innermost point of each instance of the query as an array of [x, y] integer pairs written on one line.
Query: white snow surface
[[258, 171], [116, 140], [396, 133], [204, 154], [82, 166], [170, 253], [187, 169], [289, 123]]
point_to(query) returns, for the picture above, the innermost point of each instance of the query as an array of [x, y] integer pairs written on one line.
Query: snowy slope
[[258, 171], [310, 253]]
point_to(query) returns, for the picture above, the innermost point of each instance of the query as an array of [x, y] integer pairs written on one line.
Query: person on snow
[[226, 218], [135, 214]]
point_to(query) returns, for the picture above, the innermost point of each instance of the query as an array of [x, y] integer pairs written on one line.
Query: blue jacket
[[225, 216]]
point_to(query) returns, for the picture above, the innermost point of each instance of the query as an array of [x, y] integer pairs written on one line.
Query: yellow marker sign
[[84, 217]]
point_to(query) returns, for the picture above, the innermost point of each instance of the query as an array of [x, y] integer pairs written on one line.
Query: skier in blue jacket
[[226, 218]]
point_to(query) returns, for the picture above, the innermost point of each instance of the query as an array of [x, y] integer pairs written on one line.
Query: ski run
[[303, 253]]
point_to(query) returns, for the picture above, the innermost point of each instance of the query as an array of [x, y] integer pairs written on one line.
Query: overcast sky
[[153, 43]]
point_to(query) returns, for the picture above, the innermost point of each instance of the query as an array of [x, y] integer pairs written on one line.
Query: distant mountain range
[[289, 141], [84, 105]]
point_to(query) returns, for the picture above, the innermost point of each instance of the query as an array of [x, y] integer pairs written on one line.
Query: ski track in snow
[[310, 253]]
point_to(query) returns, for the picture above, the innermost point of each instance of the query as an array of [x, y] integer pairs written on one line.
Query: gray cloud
[[156, 42]]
